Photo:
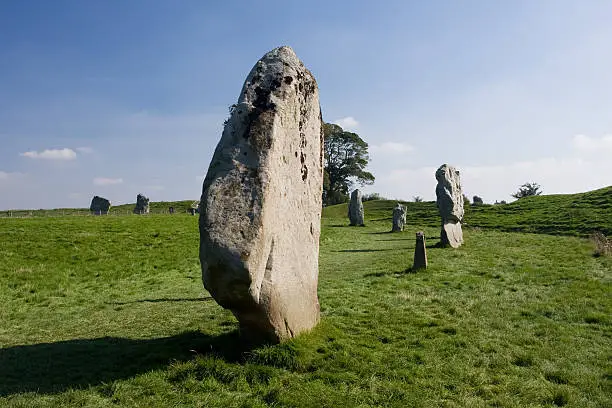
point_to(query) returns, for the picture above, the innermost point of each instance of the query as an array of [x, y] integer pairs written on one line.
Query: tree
[[346, 157], [417, 199], [527, 190], [477, 200]]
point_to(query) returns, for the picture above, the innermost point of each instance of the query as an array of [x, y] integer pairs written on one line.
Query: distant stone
[[260, 210], [355, 210], [399, 218], [142, 204], [99, 205], [450, 205], [420, 252], [195, 206]]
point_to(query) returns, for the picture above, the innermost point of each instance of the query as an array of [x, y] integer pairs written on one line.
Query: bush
[[477, 200], [372, 197]]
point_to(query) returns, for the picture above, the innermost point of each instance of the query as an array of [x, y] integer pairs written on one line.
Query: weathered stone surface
[[420, 252], [399, 218], [260, 210], [142, 204], [450, 205], [355, 209], [99, 205]]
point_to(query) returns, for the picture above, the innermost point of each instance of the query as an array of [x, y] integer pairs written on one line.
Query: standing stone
[[355, 209], [450, 205], [99, 205], [195, 208], [399, 218], [260, 210], [142, 204], [420, 252]]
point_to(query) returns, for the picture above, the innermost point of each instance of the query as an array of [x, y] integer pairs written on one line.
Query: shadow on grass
[[50, 368], [162, 300], [395, 274], [396, 239], [369, 250]]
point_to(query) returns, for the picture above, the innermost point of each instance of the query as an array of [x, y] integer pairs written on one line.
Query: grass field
[[110, 311]]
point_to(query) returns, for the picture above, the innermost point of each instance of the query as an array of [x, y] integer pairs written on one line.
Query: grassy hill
[[156, 207], [565, 214], [111, 312]]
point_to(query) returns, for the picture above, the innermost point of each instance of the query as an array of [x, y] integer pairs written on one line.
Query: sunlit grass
[[110, 311]]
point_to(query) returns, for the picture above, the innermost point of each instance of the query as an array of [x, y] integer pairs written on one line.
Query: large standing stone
[[450, 205], [99, 205], [260, 210], [355, 209], [399, 218], [142, 204]]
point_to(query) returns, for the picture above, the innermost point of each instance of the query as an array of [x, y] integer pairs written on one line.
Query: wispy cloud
[[51, 154], [11, 177], [5, 176], [85, 150], [347, 123], [154, 188], [392, 148], [104, 181], [590, 144]]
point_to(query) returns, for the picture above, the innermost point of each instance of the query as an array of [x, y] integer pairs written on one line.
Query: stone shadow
[[50, 368], [162, 300], [368, 250], [396, 274]]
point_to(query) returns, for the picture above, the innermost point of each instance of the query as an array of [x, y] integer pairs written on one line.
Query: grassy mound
[[562, 214], [110, 311]]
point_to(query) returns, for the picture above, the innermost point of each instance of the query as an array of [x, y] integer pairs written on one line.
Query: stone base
[[451, 235]]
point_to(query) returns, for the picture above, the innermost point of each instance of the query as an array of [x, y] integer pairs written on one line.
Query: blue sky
[[115, 98]]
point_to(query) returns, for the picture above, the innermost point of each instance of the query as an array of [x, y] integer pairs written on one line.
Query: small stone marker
[[399, 218], [420, 252], [142, 204], [260, 210], [450, 205], [355, 209], [99, 205]]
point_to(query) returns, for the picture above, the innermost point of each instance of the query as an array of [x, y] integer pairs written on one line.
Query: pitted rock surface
[[355, 209], [142, 204], [450, 205], [399, 218], [99, 205], [260, 210]]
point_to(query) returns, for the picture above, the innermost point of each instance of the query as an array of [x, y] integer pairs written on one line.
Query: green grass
[[561, 214], [123, 209], [110, 311]]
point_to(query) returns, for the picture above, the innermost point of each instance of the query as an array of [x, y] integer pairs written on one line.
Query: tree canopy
[[346, 157], [528, 189]]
